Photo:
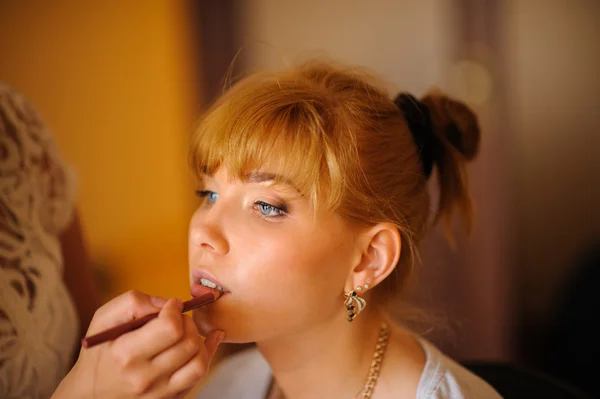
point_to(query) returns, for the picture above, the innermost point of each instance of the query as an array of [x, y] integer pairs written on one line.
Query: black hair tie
[[419, 122]]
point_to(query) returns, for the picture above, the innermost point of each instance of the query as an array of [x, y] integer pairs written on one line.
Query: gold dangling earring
[[354, 304]]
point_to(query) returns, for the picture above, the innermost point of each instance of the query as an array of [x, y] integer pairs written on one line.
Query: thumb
[[126, 307], [212, 342]]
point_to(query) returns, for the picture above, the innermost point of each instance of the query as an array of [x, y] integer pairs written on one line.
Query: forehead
[[257, 130]]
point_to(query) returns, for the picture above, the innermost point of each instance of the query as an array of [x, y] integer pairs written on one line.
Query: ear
[[380, 252]]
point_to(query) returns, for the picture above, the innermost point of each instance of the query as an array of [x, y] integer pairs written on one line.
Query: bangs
[[264, 125]]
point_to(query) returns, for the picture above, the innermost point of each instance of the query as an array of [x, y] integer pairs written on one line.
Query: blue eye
[[211, 196], [269, 210]]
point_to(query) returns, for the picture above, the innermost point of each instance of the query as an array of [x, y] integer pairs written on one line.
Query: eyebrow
[[262, 177]]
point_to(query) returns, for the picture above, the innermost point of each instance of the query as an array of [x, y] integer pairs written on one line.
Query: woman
[[314, 188], [314, 195]]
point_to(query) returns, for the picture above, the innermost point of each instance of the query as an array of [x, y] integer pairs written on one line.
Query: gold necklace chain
[[375, 368]]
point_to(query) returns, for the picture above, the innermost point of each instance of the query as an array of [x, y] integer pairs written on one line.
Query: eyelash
[[204, 193], [280, 209]]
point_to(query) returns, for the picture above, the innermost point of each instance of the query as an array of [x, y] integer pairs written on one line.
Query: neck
[[326, 361]]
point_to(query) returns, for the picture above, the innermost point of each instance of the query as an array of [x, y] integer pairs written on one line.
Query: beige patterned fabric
[[38, 321]]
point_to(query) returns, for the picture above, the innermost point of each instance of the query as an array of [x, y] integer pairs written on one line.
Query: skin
[[286, 268], [165, 358], [286, 273]]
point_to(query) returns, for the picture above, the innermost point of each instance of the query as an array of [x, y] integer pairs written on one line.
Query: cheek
[[288, 262], [193, 249], [282, 280]]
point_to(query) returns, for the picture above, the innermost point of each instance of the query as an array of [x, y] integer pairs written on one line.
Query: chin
[[236, 331], [207, 322]]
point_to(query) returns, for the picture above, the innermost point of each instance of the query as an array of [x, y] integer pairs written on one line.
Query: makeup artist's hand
[[165, 358]]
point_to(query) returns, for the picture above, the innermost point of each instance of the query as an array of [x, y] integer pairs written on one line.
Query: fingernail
[[158, 301], [220, 337], [179, 304]]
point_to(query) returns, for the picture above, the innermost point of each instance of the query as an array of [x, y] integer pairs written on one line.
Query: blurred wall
[[553, 64], [406, 42], [115, 82]]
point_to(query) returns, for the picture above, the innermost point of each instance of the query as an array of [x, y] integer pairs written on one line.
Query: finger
[[212, 342], [182, 394], [154, 337], [126, 307], [175, 357], [189, 375], [164, 364], [158, 301], [186, 377]]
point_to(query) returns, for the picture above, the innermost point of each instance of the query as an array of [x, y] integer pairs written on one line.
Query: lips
[[198, 290], [203, 280]]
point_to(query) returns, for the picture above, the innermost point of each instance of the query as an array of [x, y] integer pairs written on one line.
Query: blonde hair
[[336, 134]]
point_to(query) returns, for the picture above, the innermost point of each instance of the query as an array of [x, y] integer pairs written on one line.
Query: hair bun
[[457, 130], [454, 123]]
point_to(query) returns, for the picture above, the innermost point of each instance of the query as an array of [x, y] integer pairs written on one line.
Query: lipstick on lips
[[201, 296], [202, 279]]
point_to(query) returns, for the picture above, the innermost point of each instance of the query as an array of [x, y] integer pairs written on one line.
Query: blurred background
[[121, 84]]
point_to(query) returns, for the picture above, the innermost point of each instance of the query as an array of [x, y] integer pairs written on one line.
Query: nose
[[208, 236]]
